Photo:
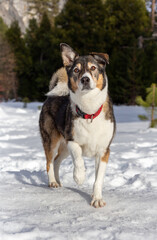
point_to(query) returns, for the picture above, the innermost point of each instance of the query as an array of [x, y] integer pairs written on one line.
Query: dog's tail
[[59, 83]]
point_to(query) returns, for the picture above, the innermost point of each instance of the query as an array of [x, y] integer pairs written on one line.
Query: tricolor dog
[[77, 118]]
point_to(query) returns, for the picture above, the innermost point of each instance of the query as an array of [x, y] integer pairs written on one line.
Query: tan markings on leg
[[100, 81], [62, 154], [106, 156], [59, 152], [73, 85], [48, 158], [49, 152]]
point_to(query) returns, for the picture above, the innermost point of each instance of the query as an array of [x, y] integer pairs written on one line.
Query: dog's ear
[[102, 58], [68, 54]]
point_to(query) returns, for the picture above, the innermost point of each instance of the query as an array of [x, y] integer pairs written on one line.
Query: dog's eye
[[92, 68], [76, 70]]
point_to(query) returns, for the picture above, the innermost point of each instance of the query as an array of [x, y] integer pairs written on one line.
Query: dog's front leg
[[101, 164], [79, 169]]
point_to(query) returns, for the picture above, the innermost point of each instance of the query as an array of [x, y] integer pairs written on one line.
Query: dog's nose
[[85, 80]]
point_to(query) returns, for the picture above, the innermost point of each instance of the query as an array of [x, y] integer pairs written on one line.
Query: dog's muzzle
[[86, 83]]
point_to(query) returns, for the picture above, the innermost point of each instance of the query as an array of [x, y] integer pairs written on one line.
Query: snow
[[31, 210]]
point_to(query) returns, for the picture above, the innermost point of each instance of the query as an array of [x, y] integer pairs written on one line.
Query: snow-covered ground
[[31, 210]]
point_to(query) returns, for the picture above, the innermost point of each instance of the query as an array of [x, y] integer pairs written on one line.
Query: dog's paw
[[79, 175], [54, 185], [97, 203]]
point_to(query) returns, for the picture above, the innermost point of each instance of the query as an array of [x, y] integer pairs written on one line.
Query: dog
[[77, 118]]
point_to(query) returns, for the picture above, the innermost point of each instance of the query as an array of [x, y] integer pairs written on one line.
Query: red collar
[[88, 116]]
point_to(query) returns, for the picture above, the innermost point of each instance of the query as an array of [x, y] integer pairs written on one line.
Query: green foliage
[[149, 97], [35, 56], [126, 59], [149, 63], [80, 24], [23, 59], [143, 117], [125, 21], [25, 101], [141, 102], [39, 108], [151, 101], [3, 28], [153, 123], [125, 74], [14, 37], [41, 45]]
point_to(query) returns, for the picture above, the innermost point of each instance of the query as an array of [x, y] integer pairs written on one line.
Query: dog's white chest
[[93, 137]]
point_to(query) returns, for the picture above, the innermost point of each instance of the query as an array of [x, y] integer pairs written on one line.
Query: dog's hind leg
[[50, 152], [62, 154], [51, 140]]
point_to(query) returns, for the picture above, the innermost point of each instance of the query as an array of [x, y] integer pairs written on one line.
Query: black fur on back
[[59, 109]]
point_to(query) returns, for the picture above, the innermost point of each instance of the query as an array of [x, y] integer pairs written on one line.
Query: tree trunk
[[153, 105]]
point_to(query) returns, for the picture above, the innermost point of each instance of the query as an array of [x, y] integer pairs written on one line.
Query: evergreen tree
[[3, 28], [149, 63], [36, 57], [80, 24], [150, 101], [125, 75], [23, 60], [124, 22], [42, 50], [8, 79]]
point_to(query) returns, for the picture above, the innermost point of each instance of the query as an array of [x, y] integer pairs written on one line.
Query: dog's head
[[85, 73]]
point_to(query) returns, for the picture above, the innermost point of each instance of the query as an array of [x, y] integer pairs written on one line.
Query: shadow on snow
[[39, 179]]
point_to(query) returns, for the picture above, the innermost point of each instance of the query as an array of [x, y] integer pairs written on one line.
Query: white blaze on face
[[92, 84]]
